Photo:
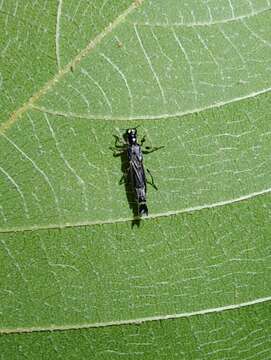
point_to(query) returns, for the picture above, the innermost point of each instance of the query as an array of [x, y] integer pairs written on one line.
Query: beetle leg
[[143, 140], [150, 149], [117, 154], [119, 143], [152, 181], [124, 177], [118, 150]]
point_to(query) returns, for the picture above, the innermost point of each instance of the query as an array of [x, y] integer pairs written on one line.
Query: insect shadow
[[120, 149]]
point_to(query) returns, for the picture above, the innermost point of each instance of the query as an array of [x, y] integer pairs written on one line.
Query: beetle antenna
[[132, 127]]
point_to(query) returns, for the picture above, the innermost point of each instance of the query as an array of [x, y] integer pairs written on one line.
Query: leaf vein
[[203, 23], [66, 69], [59, 8], [150, 217], [148, 117], [137, 321]]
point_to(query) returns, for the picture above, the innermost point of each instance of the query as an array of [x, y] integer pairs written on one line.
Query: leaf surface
[[237, 334], [196, 78]]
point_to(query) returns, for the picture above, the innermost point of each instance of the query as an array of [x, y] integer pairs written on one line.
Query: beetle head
[[131, 136]]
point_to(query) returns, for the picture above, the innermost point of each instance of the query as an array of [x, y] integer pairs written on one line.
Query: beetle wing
[[138, 173]]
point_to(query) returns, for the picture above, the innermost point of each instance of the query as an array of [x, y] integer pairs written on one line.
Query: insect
[[135, 172], [119, 44]]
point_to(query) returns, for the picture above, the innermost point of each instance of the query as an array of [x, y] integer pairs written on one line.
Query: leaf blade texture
[[196, 78]]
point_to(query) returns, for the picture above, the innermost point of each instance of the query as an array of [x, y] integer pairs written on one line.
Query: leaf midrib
[[126, 220], [66, 69], [135, 321], [30, 104]]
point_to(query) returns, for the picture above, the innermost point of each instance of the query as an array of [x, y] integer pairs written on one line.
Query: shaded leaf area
[[108, 273], [164, 71], [60, 170], [27, 58], [235, 335]]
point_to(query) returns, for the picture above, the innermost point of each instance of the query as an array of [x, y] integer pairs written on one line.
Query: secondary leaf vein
[[66, 69], [136, 321], [124, 220]]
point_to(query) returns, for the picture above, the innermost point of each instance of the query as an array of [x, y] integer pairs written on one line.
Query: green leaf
[[79, 276], [238, 334]]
